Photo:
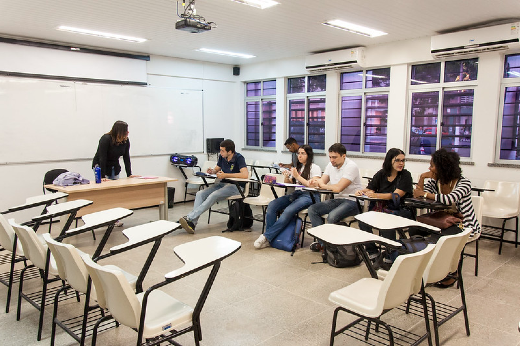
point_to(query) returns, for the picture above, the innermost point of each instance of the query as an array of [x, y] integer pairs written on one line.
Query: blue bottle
[[97, 174]]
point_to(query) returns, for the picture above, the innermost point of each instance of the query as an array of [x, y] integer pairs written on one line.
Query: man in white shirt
[[342, 177]]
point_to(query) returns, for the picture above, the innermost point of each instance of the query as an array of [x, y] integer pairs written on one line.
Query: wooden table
[[130, 193]]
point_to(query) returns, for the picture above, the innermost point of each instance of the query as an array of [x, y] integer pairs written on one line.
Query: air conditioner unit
[[344, 59], [471, 42]]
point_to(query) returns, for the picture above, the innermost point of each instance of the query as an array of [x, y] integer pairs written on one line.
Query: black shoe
[[316, 247], [187, 225]]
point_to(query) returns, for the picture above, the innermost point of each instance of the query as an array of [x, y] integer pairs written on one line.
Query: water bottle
[[97, 174]]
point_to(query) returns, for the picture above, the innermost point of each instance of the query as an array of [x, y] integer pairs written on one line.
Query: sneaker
[[261, 242], [118, 223], [373, 255], [187, 224], [316, 247], [386, 264]]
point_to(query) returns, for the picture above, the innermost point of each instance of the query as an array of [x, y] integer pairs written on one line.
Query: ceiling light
[[354, 28], [100, 34], [219, 52], [258, 3]]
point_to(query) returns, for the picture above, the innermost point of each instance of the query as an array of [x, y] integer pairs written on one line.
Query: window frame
[[440, 87], [363, 92], [305, 96], [261, 99]]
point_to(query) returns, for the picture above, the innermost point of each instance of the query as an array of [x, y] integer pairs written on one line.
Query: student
[[292, 145], [293, 203], [230, 164], [342, 177], [111, 147], [392, 179]]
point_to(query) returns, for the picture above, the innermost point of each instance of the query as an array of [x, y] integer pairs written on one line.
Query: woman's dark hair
[[447, 165], [119, 132], [310, 158], [387, 163]]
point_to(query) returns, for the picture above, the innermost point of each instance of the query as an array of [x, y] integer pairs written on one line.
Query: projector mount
[[191, 19]]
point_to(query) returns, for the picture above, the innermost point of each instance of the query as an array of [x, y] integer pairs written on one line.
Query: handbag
[[440, 219]]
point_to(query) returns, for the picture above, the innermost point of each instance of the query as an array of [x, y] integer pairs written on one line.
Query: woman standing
[[112, 146], [293, 203], [449, 187]]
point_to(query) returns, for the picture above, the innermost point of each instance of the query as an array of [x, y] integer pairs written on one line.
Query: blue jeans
[[292, 204], [112, 175], [204, 199], [337, 209]]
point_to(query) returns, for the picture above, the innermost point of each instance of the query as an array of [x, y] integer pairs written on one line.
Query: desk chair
[[156, 316], [9, 241], [41, 258], [48, 178], [199, 182], [477, 206], [370, 298], [504, 204], [72, 269], [265, 197]]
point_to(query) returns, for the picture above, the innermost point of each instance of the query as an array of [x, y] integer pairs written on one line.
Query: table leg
[[163, 208], [361, 250]]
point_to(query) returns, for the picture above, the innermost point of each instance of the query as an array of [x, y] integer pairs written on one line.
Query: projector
[[191, 25]]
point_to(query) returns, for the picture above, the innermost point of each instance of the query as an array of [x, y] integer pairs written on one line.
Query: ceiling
[[290, 29]]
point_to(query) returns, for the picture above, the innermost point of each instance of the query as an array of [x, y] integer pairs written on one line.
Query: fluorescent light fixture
[[258, 3], [220, 52], [354, 28], [100, 34]]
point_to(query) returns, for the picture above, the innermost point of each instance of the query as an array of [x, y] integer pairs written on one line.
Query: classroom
[[287, 75]]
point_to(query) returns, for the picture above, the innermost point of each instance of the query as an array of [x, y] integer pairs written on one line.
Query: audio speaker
[[236, 71], [213, 145]]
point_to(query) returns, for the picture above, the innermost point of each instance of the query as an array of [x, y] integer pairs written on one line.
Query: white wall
[[221, 106]]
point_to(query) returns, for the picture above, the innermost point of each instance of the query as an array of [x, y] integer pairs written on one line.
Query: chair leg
[[516, 232], [333, 331], [185, 191], [11, 279], [263, 218], [476, 256], [502, 236], [426, 319], [20, 287], [463, 298], [434, 317], [55, 314], [303, 230], [42, 305]]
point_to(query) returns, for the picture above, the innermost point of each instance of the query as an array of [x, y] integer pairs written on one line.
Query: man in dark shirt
[[230, 164], [292, 145]]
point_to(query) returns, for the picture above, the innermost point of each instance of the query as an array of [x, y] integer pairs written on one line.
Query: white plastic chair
[[446, 259], [369, 298], [198, 181], [504, 204], [72, 269], [36, 252], [154, 313], [265, 197]]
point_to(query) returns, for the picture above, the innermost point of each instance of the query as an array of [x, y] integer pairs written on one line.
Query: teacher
[[112, 146]]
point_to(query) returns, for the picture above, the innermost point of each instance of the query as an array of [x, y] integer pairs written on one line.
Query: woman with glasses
[[391, 185], [293, 203]]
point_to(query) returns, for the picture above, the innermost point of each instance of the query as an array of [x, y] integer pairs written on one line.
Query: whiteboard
[[51, 120]]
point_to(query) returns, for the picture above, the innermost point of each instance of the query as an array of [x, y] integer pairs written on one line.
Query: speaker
[[213, 145], [236, 71]]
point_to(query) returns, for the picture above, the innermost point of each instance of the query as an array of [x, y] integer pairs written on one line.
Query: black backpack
[[235, 222], [341, 256]]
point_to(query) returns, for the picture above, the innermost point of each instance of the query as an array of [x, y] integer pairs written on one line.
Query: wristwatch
[[425, 194]]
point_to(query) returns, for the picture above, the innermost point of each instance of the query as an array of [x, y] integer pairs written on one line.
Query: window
[[364, 112], [306, 107], [261, 114], [441, 116], [508, 148]]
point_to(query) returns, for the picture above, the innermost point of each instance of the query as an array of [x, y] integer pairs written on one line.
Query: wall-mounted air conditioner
[[353, 58], [470, 42]]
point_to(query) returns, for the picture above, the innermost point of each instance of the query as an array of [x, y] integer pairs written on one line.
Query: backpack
[[288, 239], [235, 222], [341, 256]]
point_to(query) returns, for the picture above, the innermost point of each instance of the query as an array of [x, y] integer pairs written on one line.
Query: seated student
[[292, 145], [448, 186], [392, 179], [342, 177], [230, 164], [293, 203]]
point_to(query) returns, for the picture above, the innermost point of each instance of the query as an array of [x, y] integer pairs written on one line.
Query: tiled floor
[[266, 297]]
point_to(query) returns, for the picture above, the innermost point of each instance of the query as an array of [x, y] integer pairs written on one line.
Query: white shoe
[[261, 242]]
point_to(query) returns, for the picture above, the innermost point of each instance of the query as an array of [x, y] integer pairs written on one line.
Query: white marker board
[[51, 120]]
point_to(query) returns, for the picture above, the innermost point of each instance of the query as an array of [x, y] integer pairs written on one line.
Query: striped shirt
[[461, 196]]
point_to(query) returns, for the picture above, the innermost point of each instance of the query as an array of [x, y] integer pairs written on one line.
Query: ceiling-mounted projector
[[190, 21], [191, 25]]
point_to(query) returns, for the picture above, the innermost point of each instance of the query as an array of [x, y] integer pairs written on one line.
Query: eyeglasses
[[400, 161]]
